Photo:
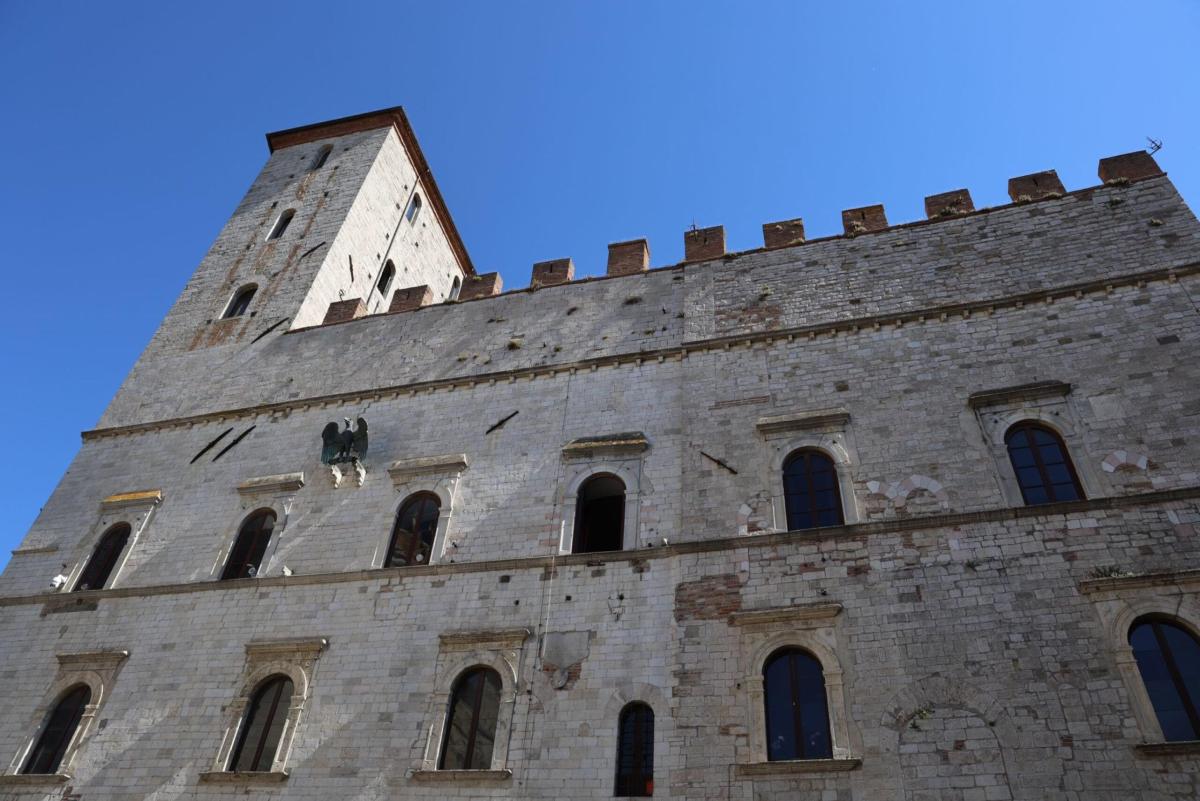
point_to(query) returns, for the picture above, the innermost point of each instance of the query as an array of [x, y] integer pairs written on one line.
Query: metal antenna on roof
[[1155, 145]]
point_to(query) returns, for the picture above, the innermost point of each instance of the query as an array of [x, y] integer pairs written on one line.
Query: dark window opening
[[414, 209], [600, 515], [1168, 659], [241, 301], [104, 558], [321, 157], [385, 278], [471, 721], [1043, 468], [413, 533], [282, 223], [245, 557], [262, 726], [47, 755], [635, 751], [455, 288], [797, 714], [810, 491]]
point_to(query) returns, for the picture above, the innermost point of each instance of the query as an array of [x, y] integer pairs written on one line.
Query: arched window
[[104, 558], [385, 278], [471, 721], [262, 726], [245, 557], [414, 208], [412, 535], [635, 751], [810, 490], [1168, 658], [321, 157], [1043, 467], [240, 301], [281, 224], [47, 754], [455, 288], [599, 515], [797, 712]]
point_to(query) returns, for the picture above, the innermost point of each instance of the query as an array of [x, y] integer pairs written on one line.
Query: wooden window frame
[[64, 736], [807, 454], [1026, 428], [1191, 706], [476, 708], [114, 556], [792, 653], [417, 536], [276, 682], [626, 784], [241, 531]]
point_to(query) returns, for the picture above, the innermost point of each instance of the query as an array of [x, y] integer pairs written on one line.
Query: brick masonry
[[974, 661]]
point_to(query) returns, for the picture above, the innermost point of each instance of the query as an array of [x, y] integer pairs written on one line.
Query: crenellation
[[970, 642]]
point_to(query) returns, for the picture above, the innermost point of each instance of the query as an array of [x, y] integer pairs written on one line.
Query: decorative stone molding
[[898, 492], [33, 779], [1019, 394], [404, 469], [1181, 578], [484, 638], [1123, 458], [271, 485], [98, 671], [136, 499], [461, 776], [1189, 748], [626, 466], [820, 420], [628, 443], [295, 658], [801, 616], [789, 767]]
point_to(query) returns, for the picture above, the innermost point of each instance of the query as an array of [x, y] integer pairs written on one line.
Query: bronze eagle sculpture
[[346, 445]]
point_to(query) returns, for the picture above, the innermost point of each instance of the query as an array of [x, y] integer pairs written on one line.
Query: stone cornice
[[1181, 578], [425, 465], [124, 500], [267, 485], [1019, 394], [484, 638], [823, 419], [799, 614], [677, 352], [629, 443], [294, 647], [243, 777], [788, 767], [461, 776], [771, 540], [33, 779], [92, 659]]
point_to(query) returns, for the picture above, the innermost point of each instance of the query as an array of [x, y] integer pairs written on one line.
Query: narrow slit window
[[385, 278], [414, 209], [262, 726], [797, 713], [811, 493], [1168, 659], [455, 288], [413, 533], [1042, 465], [635, 751], [599, 515], [471, 721], [245, 557], [322, 156], [282, 224], [104, 558], [58, 731], [240, 301]]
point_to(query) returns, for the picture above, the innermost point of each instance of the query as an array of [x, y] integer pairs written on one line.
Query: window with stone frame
[[811, 493], [414, 531], [120, 522], [425, 489], [808, 461], [600, 515], [246, 556], [266, 712], [1041, 464], [62, 724], [635, 751], [239, 304], [604, 483], [1168, 659], [469, 737], [103, 561]]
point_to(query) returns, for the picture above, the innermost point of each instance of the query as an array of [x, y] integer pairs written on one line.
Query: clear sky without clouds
[[131, 130]]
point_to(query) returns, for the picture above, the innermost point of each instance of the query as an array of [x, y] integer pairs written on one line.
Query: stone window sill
[[453, 776], [1177, 748], [243, 777], [790, 767], [33, 779]]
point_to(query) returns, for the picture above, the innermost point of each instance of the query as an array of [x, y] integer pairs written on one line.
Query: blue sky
[[131, 130]]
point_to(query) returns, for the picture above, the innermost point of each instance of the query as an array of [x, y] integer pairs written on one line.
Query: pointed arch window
[[414, 209], [262, 726], [60, 727], [414, 531], [1042, 465], [599, 515], [635, 751], [240, 301], [245, 557], [104, 558], [471, 721], [322, 156], [385, 278], [1168, 659], [282, 224], [811, 493], [797, 712]]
